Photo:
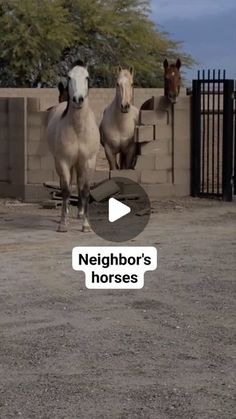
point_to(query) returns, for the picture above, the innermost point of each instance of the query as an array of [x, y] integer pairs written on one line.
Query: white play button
[[117, 210]]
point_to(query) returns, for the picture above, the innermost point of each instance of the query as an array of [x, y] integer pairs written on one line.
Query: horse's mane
[[79, 63]]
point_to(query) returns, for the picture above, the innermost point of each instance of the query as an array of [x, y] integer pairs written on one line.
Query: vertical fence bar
[[213, 133], [208, 127], [218, 135], [227, 169], [196, 139], [203, 133], [235, 138]]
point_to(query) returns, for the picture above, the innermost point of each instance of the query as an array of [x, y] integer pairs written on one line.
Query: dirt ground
[[166, 351]]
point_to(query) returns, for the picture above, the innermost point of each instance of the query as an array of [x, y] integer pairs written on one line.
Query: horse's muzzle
[[172, 99], [78, 101], [125, 108]]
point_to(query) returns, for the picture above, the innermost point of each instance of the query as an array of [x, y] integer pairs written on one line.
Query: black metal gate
[[213, 136]]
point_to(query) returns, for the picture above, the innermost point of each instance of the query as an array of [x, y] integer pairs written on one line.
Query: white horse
[[118, 124], [74, 141]]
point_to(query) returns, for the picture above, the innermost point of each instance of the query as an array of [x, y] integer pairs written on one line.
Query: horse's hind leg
[[111, 157], [65, 178]]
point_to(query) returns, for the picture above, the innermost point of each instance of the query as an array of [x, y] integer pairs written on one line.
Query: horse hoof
[[62, 228], [86, 229]]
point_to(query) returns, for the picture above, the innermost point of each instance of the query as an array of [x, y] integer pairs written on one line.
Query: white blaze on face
[[78, 83], [124, 85]]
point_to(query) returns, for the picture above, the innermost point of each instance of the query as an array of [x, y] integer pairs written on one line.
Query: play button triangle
[[117, 210]]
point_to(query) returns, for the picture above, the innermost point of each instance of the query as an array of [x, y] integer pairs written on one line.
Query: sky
[[207, 29]]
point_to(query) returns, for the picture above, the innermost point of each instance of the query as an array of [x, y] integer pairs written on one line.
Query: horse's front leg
[[64, 174], [111, 157], [130, 156], [84, 194]]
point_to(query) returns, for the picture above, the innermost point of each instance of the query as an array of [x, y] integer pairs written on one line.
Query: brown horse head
[[172, 80]]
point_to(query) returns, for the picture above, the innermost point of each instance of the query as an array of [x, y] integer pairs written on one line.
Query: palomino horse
[[172, 83], [74, 140], [118, 124]]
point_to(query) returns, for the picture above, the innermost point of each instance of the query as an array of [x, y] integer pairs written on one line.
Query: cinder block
[[37, 119], [100, 176], [39, 176], [4, 163], [4, 174], [182, 190], [182, 176], [182, 125], [144, 133], [33, 104], [34, 133], [34, 162], [155, 176], [163, 162], [159, 191], [104, 190], [149, 148], [3, 119], [182, 160], [47, 162], [160, 148], [166, 190], [4, 105], [4, 134], [163, 132], [16, 109], [32, 148], [183, 103], [154, 117], [4, 147], [130, 174], [127, 189], [146, 162]]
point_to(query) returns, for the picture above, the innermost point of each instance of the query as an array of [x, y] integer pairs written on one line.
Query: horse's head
[[78, 85], [124, 88], [172, 80]]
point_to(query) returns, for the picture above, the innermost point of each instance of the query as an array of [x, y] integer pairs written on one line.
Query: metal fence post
[[227, 169], [196, 138]]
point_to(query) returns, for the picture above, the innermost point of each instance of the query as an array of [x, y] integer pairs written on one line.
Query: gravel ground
[[166, 351]]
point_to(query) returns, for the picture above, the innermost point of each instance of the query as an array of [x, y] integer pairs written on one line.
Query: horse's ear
[[165, 64], [119, 69], [131, 70], [178, 63]]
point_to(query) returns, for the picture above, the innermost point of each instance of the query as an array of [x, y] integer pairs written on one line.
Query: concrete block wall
[[164, 148], [25, 161], [4, 144]]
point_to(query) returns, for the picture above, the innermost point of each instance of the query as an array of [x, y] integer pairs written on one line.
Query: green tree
[[33, 34], [112, 32], [42, 38]]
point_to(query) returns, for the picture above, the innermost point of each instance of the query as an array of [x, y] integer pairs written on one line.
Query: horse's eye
[[117, 84]]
